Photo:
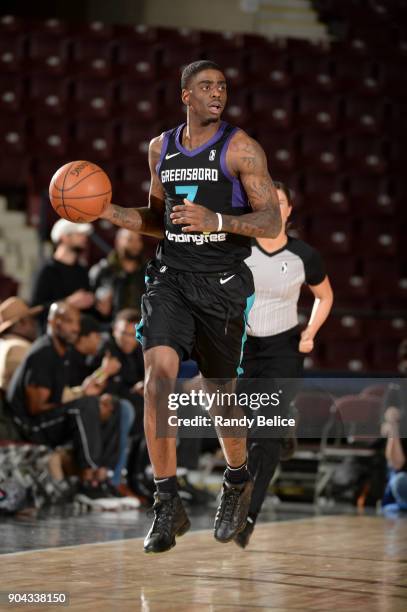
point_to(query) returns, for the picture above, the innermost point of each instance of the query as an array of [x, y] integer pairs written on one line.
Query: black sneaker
[[191, 494], [232, 512], [243, 537], [170, 520]]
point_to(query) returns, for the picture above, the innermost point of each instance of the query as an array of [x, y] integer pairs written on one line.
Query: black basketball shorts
[[202, 316]]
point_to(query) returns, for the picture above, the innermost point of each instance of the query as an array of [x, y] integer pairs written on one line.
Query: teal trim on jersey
[[139, 326], [249, 304], [139, 330], [189, 190]]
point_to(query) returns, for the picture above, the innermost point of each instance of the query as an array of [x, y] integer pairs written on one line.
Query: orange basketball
[[80, 191]]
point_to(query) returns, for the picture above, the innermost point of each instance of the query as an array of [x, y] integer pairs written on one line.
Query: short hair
[[192, 69], [129, 315], [289, 193], [89, 325]]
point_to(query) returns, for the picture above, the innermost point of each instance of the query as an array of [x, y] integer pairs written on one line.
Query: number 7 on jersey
[[189, 191]]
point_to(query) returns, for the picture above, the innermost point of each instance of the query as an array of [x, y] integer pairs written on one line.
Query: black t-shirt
[[55, 281], [43, 366], [81, 366], [131, 372]]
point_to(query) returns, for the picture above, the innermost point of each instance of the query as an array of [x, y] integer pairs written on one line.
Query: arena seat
[[372, 194], [381, 235], [269, 71], [11, 24], [346, 276], [11, 53], [13, 135], [364, 154], [318, 110], [95, 139], [273, 107], [280, 149], [361, 418], [363, 115], [93, 98], [49, 137], [48, 53], [139, 34], [11, 93], [351, 356], [15, 171], [136, 62], [346, 326], [326, 193], [320, 151], [92, 57], [137, 103], [48, 94], [133, 139], [95, 29]]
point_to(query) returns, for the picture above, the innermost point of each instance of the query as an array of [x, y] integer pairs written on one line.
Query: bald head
[[64, 322]]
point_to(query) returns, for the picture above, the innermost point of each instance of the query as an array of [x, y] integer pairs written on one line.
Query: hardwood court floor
[[321, 564]]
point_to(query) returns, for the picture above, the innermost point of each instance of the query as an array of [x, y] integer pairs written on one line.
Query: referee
[[275, 346]]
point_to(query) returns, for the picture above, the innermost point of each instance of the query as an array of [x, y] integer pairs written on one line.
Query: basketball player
[[210, 193], [275, 348]]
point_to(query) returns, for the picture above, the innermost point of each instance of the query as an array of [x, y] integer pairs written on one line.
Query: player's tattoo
[[248, 161], [124, 217], [144, 220]]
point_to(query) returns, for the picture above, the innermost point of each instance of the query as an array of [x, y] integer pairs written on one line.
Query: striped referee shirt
[[278, 278]]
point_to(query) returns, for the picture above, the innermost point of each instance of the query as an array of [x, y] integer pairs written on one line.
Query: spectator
[[86, 348], [17, 332], [395, 429], [129, 380], [47, 411], [63, 277], [122, 271]]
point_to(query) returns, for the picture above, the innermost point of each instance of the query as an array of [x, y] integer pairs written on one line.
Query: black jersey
[[201, 176]]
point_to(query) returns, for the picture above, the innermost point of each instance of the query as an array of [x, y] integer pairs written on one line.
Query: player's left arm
[[245, 159]]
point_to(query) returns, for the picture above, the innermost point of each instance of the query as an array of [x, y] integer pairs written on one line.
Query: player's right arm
[[148, 220]]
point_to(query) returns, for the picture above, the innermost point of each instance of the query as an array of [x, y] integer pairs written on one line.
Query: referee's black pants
[[271, 358], [95, 444]]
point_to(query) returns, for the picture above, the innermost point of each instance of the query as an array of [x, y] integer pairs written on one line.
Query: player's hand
[[194, 217], [306, 344], [81, 299]]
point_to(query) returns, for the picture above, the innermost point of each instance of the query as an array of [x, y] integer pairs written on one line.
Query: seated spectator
[[395, 429], [128, 382], [87, 347], [48, 411], [122, 271], [64, 277], [17, 333]]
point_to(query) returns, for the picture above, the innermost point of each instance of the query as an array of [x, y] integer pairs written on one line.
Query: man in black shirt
[[48, 411], [122, 272], [63, 277]]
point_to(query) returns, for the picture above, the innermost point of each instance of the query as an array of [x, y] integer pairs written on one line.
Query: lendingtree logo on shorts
[[197, 239]]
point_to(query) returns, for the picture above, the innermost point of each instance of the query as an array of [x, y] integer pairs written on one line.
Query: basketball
[[80, 191]]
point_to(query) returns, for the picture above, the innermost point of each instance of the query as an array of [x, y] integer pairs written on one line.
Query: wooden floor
[[340, 564]]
